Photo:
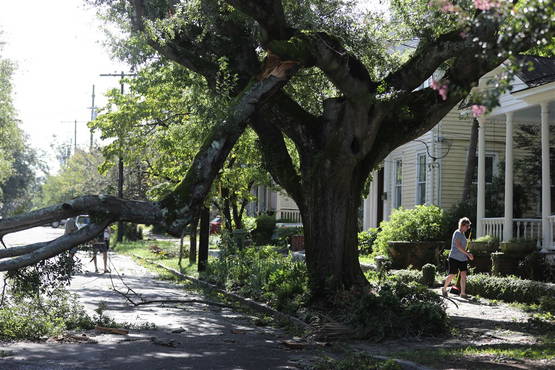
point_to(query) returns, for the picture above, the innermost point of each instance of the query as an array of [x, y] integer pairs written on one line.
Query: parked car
[[82, 221], [216, 225]]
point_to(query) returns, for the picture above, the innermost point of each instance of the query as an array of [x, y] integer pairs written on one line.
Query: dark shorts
[[455, 266], [100, 247]]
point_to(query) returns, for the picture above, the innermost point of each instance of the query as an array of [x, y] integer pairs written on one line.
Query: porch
[[532, 103]]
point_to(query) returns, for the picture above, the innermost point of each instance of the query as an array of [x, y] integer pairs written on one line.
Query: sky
[[58, 51]]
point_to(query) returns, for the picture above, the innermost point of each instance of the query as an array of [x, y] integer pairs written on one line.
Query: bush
[[487, 239], [265, 226], [262, 274], [22, 317], [508, 289], [399, 310], [407, 276], [366, 240], [423, 223], [535, 267], [132, 232]]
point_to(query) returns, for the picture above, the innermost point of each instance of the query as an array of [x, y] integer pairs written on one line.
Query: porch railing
[[289, 214], [523, 228]]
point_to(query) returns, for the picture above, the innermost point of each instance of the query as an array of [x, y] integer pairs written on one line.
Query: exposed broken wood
[[104, 329]]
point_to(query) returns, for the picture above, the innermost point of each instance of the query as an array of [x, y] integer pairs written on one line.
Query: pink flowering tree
[[320, 75]]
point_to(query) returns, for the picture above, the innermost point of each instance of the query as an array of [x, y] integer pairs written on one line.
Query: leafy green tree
[[347, 104], [80, 176], [9, 132], [165, 116], [18, 162]]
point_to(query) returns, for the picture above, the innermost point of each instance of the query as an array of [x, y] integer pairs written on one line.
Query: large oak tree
[[376, 104]]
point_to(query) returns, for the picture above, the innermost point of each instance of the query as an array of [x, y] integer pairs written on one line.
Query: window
[[398, 183], [491, 161], [421, 178]]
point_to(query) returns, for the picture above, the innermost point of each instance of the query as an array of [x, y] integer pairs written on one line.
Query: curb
[[260, 307]]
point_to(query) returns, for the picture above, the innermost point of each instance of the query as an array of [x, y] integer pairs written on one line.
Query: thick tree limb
[[55, 247], [199, 51], [176, 210], [187, 198], [268, 13], [429, 55], [276, 157], [103, 205]]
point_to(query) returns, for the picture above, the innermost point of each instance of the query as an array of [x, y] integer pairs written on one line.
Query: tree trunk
[[330, 230], [193, 241], [237, 213], [204, 238], [471, 161]]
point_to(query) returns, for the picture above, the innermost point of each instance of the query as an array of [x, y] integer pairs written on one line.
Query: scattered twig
[[449, 299], [144, 302]]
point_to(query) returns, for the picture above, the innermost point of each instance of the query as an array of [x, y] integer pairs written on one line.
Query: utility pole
[[122, 75], [93, 117], [74, 133]]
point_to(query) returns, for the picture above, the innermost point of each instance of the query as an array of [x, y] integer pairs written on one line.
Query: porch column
[[481, 202], [508, 224], [370, 210], [547, 242]]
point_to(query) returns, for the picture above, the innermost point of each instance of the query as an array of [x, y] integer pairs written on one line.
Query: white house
[[430, 170]]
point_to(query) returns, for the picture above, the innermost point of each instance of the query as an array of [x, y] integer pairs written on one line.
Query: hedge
[[508, 288]]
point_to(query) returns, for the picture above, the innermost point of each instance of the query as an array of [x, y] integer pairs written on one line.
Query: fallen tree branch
[[105, 206], [54, 247], [145, 302]]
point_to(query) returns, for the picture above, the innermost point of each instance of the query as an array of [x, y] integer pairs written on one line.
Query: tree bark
[[204, 237], [193, 241], [330, 229]]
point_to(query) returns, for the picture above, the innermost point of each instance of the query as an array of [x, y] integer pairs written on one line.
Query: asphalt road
[[187, 336], [34, 235]]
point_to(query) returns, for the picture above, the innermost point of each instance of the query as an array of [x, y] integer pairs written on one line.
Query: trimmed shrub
[[508, 289], [423, 223], [366, 240], [428, 275]]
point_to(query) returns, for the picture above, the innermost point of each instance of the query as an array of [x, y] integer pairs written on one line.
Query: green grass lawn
[[543, 351], [366, 259], [163, 252]]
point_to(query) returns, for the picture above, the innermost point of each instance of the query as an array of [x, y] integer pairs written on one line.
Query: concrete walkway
[[187, 336]]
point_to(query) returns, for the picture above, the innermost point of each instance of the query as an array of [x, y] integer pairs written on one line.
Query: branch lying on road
[[42, 251], [144, 302]]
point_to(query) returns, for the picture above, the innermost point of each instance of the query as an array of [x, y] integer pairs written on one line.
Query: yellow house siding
[[408, 154], [457, 131]]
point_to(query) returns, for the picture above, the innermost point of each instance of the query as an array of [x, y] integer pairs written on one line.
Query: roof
[[542, 73]]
